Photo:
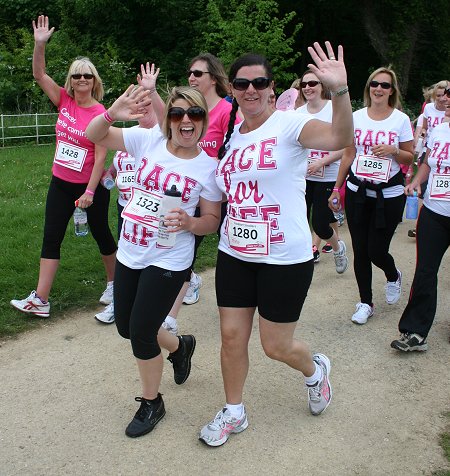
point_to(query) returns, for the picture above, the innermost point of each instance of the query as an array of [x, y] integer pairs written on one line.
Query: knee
[[145, 349], [274, 351]]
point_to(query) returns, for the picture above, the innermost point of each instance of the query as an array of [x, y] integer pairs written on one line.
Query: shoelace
[[141, 414], [219, 421], [314, 392]]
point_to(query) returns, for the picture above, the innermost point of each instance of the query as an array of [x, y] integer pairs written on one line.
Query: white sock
[[315, 377], [235, 410], [171, 321]]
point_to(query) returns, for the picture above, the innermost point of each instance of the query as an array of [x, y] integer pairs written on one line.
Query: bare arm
[[331, 72], [348, 156], [420, 177], [127, 107], [41, 35], [97, 171]]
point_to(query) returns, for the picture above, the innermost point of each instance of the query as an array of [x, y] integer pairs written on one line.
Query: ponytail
[[231, 121]]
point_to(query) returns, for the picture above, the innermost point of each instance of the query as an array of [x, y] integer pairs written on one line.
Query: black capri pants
[[59, 209], [278, 291], [317, 195], [142, 300]]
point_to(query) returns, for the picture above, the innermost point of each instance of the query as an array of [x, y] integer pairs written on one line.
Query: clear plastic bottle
[[412, 206], [107, 181], [80, 221], [170, 200]]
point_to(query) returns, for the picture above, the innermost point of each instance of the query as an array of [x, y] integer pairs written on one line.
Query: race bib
[[248, 237], [125, 180], [70, 156], [440, 187], [320, 172], [142, 208], [373, 168]]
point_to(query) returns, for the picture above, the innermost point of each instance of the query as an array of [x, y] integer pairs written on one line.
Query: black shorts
[[278, 291]]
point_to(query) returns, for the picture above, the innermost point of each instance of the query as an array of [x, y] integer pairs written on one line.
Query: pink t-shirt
[[75, 153], [218, 125]]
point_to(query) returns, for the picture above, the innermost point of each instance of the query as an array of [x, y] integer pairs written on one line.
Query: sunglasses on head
[[383, 84], [241, 84], [84, 75], [195, 113], [197, 73], [311, 84]]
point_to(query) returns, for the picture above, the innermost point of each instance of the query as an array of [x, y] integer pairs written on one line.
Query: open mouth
[[187, 131]]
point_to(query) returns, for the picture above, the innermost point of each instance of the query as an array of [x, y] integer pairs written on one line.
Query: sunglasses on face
[[195, 113], [197, 73], [85, 76], [384, 84], [311, 84], [242, 84], [447, 93]]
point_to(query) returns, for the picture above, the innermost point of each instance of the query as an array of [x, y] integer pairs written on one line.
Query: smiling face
[[204, 83], [440, 100], [378, 95], [82, 85], [185, 133], [253, 102], [311, 93]]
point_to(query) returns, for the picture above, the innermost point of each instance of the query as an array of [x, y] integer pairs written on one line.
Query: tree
[[237, 27]]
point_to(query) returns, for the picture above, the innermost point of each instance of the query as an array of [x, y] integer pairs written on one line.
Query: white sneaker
[[340, 258], [107, 315], [32, 305], [394, 289], [193, 291], [107, 296], [217, 432], [170, 327], [362, 314], [320, 394]]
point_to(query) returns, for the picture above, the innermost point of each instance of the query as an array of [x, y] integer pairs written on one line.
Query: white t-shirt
[[263, 176], [439, 162], [329, 172], [368, 133], [433, 116], [156, 170]]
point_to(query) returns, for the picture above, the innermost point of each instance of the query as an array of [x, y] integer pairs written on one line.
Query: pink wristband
[[89, 192], [335, 189], [107, 117]]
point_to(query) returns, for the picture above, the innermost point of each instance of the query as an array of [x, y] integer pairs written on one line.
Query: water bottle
[[80, 221], [170, 200], [107, 181], [412, 206]]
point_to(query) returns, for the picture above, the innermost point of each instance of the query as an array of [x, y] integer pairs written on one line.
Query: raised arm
[[128, 107], [147, 79], [41, 35], [331, 72]]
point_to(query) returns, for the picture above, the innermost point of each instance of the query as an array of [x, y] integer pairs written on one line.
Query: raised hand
[[130, 106], [329, 69], [41, 31], [148, 76]]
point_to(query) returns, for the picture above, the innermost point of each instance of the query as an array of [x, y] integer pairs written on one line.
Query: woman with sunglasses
[[265, 258], [77, 168], [433, 238], [323, 167], [165, 158], [374, 199]]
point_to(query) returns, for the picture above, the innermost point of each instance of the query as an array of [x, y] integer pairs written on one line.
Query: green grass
[[445, 443], [80, 280]]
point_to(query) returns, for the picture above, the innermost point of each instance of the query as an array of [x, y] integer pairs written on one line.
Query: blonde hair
[[78, 67], [394, 98], [194, 98], [439, 85]]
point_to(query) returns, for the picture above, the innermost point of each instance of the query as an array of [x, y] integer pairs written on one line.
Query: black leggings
[[317, 194], [432, 240], [142, 300], [371, 244], [59, 209]]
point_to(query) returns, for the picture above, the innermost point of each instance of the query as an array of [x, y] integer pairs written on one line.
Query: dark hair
[[325, 92], [216, 70], [249, 59]]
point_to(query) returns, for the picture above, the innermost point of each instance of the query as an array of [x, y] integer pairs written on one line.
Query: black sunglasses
[[311, 84], [197, 73], [84, 75], [384, 84], [241, 84], [447, 92], [195, 113]]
